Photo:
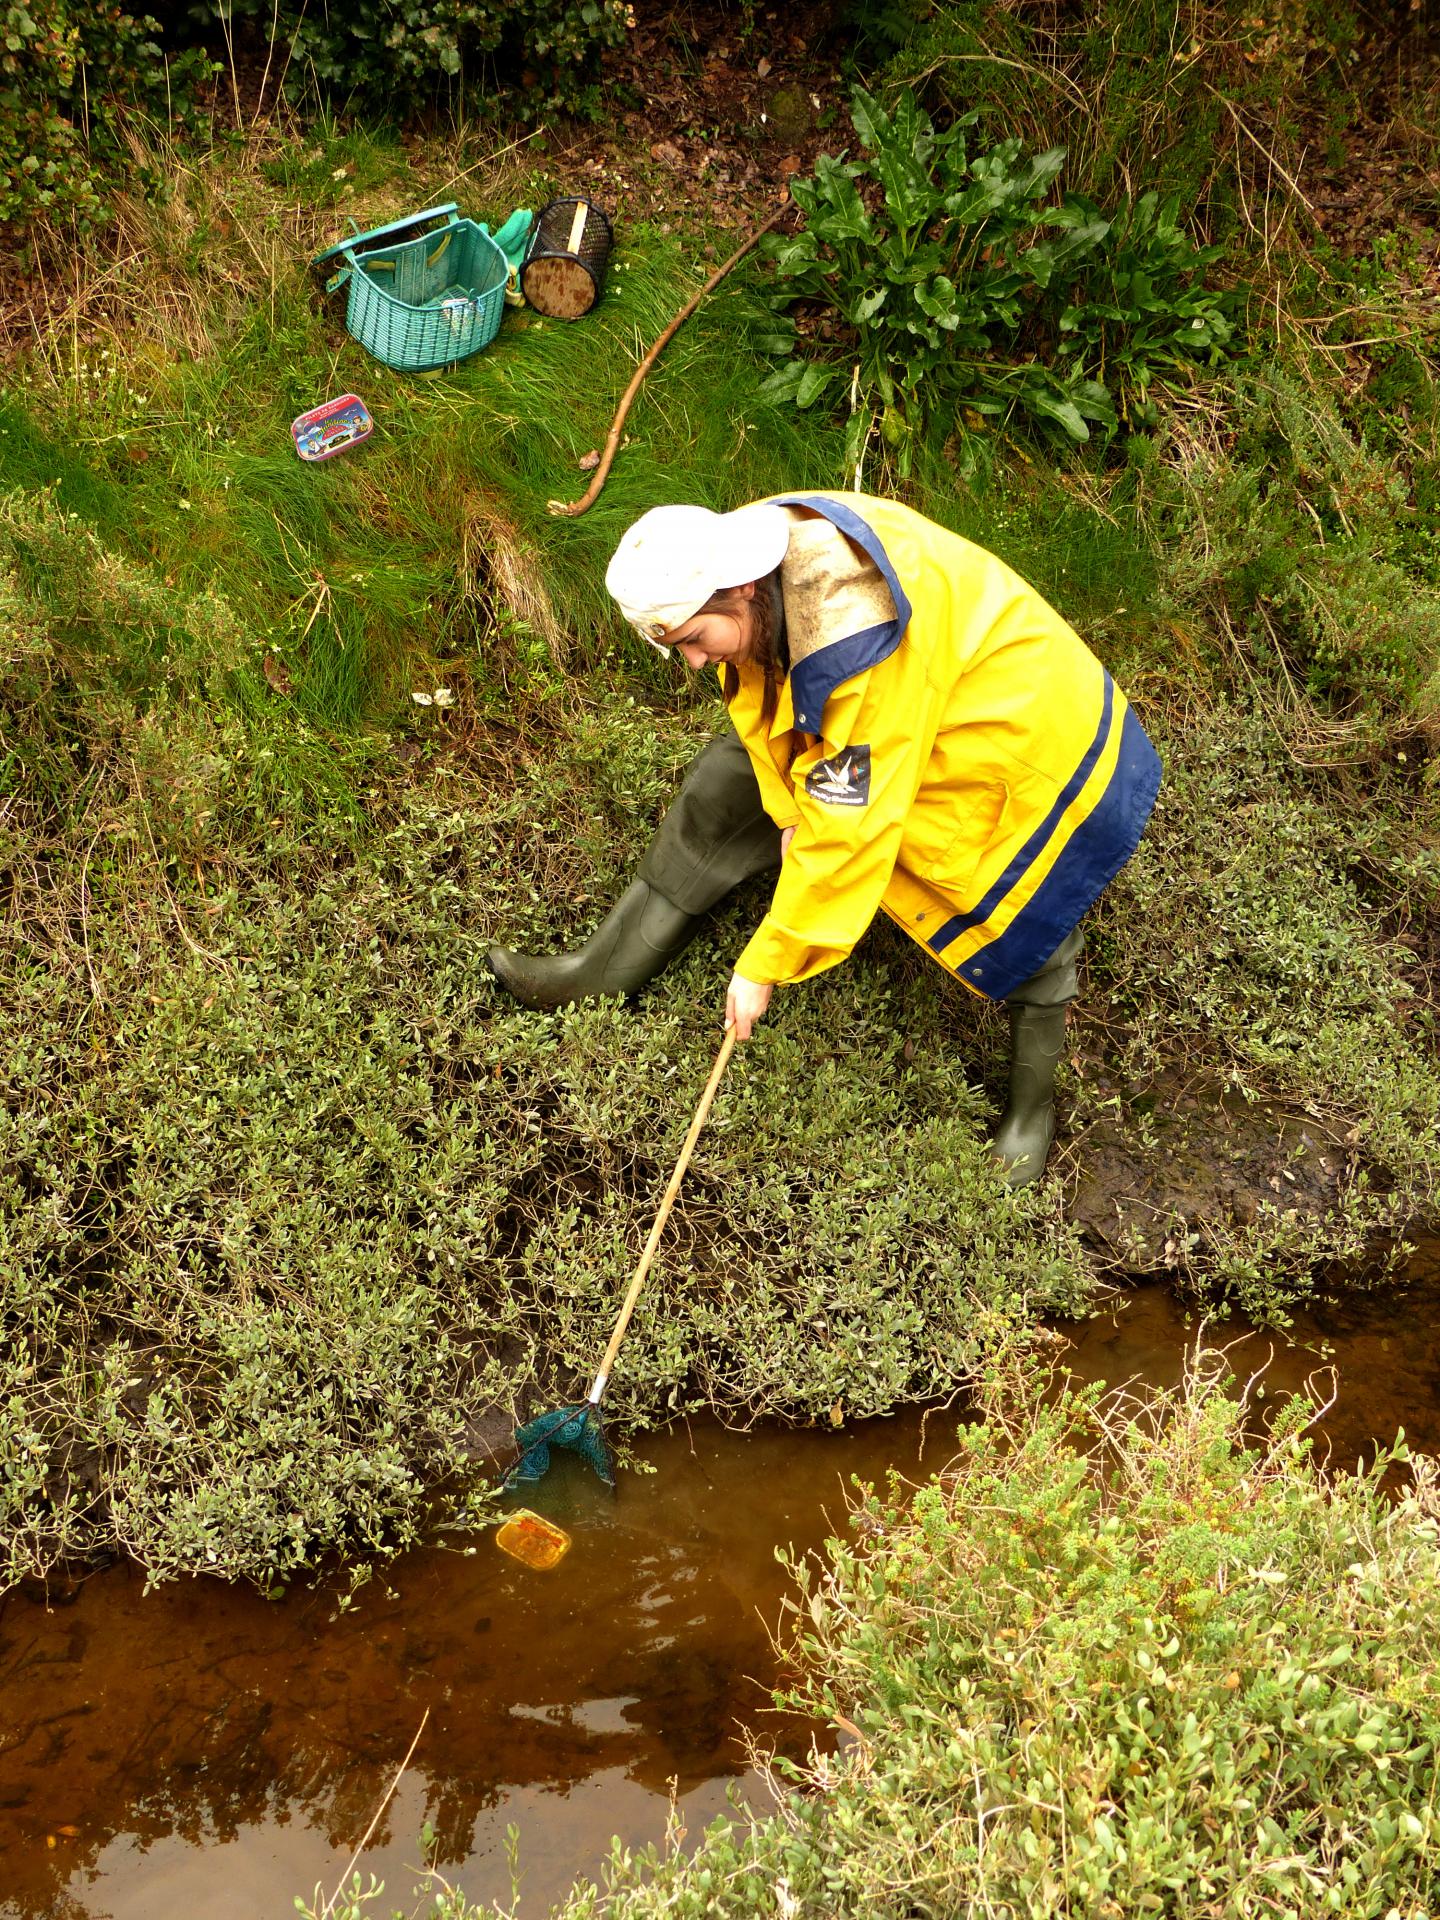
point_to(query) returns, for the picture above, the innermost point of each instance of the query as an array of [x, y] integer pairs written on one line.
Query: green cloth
[[513, 237], [715, 834]]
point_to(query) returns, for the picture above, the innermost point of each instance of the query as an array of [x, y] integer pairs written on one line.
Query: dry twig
[[328, 1908]]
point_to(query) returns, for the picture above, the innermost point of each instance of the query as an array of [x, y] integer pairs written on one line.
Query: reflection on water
[[1384, 1348], [215, 1753], [204, 1752]]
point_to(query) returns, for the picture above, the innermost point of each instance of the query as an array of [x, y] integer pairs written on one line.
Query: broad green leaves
[[964, 289]]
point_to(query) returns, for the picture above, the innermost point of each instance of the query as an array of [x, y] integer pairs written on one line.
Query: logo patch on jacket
[[843, 780]]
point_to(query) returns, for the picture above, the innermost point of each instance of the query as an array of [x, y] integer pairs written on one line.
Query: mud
[[1212, 1162]]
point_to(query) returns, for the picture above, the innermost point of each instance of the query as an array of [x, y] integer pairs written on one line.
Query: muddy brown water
[[200, 1751]]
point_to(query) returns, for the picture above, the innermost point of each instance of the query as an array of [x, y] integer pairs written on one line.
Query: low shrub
[[292, 1198], [395, 57], [1201, 1682], [1259, 953], [70, 75]]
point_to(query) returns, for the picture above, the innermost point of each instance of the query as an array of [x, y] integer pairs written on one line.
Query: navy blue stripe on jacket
[[1095, 852]]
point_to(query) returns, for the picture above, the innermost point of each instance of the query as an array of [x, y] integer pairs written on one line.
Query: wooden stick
[[375, 1821], [702, 1113], [571, 509]]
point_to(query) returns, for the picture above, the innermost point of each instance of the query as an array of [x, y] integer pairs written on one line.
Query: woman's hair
[[771, 654]]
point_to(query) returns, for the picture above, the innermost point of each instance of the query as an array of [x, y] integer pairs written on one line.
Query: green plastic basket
[[426, 300]]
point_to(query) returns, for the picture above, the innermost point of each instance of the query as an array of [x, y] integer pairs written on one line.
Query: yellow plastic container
[[527, 1537]]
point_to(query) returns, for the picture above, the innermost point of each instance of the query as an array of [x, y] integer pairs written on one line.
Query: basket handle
[[391, 234]]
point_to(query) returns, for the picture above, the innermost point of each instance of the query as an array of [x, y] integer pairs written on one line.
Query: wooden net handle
[[702, 1113]]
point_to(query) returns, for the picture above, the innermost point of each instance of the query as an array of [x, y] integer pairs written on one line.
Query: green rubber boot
[[1022, 1140], [641, 934]]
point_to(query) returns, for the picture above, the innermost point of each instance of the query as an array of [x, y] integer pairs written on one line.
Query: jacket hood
[[844, 611]]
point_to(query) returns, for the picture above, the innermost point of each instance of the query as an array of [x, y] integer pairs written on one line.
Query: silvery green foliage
[[294, 1203], [1201, 1684]]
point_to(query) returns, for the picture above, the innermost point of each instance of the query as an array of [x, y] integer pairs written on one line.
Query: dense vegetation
[[972, 295], [295, 1207], [1204, 1699], [71, 77], [85, 88], [291, 1201]]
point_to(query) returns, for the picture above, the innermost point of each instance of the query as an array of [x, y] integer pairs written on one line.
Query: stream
[[201, 1751]]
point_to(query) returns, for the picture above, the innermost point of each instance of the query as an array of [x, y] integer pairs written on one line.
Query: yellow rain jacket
[[966, 762]]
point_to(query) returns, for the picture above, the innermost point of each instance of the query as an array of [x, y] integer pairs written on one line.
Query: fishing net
[[577, 1429]]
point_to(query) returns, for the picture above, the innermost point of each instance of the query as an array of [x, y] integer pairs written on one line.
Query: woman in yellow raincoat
[[915, 732]]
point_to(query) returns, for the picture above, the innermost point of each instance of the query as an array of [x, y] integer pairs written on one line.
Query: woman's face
[[714, 636]]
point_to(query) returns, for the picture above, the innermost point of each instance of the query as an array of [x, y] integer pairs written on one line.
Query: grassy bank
[[294, 1201]]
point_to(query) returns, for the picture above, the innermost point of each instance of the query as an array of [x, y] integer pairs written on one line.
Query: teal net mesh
[[577, 1429]]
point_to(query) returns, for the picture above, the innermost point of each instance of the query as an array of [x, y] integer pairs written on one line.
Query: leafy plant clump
[[1202, 1683], [1220, 101], [400, 55], [69, 76], [965, 294]]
